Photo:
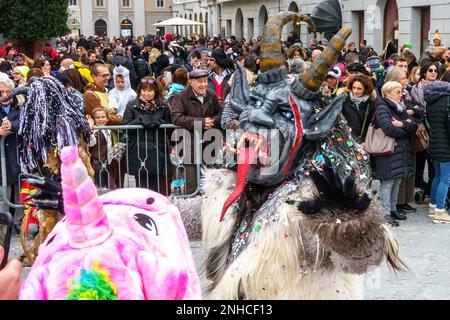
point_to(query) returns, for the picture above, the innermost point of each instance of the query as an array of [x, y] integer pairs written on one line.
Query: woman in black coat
[[148, 145], [437, 97], [359, 107], [392, 118]]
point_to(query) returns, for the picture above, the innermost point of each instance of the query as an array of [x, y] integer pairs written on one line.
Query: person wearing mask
[[96, 95], [437, 97], [150, 111], [221, 69], [428, 74], [359, 107], [392, 118], [195, 106], [122, 94]]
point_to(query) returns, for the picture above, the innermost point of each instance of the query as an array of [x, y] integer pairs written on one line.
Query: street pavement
[[424, 246]]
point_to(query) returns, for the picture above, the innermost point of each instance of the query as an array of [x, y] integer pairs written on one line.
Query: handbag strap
[[365, 120]]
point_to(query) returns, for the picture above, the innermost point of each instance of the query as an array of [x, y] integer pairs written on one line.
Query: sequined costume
[[297, 220]]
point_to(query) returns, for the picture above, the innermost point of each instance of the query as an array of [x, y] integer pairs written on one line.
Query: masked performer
[[296, 221], [49, 121]]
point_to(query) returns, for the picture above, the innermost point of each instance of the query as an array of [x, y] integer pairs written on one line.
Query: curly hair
[[366, 81]]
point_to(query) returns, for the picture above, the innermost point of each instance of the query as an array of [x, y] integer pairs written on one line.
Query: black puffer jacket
[[437, 96], [398, 165]]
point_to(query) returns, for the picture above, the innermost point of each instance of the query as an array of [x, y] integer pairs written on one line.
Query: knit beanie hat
[[23, 70]]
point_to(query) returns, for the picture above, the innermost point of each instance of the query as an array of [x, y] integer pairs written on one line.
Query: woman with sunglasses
[[437, 96], [428, 74], [148, 144]]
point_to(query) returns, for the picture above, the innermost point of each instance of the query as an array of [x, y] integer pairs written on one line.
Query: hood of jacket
[[121, 70], [435, 90]]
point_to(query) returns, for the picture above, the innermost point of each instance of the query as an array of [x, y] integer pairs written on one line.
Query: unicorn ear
[[162, 278], [87, 223]]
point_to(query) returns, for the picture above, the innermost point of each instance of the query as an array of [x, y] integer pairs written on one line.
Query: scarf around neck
[[399, 105], [359, 100]]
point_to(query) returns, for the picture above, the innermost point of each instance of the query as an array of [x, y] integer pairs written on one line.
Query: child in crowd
[[100, 147], [122, 92]]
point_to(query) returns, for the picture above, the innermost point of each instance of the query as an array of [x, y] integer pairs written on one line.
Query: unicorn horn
[[87, 222]]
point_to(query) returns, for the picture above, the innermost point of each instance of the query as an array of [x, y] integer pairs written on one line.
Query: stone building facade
[[377, 21], [115, 18]]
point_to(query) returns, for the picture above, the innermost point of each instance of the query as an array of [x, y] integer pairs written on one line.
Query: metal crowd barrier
[[114, 171]]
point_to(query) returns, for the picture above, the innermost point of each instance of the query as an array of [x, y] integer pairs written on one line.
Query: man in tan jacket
[[96, 95]]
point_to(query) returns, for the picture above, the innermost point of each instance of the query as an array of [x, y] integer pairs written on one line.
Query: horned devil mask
[[278, 116]]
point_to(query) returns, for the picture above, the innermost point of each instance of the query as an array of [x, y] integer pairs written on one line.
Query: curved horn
[[271, 56], [87, 223], [313, 77]]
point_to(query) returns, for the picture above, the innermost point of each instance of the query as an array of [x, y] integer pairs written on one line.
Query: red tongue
[[247, 157]]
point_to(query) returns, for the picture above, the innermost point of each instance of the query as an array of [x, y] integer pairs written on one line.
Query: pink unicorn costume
[[127, 244]]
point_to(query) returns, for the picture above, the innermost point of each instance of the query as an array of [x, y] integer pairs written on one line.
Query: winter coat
[[225, 86], [437, 96], [399, 164], [142, 67], [146, 144], [355, 116], [187, 109], [12, 164]]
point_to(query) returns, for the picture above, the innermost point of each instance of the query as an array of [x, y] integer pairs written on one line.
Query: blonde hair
[[412, 75], [395, 74], [390, 86]]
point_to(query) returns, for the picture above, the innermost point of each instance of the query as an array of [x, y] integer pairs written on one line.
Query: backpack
[[142, 68]]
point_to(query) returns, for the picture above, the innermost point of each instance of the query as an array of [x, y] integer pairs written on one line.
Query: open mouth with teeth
[[256, 144], [257, 162]]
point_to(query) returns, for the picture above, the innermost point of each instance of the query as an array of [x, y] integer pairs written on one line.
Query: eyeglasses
[[149, 81], [432, 70], [106, 75]]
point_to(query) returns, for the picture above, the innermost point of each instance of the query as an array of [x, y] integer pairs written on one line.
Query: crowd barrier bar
[[142, 157]]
